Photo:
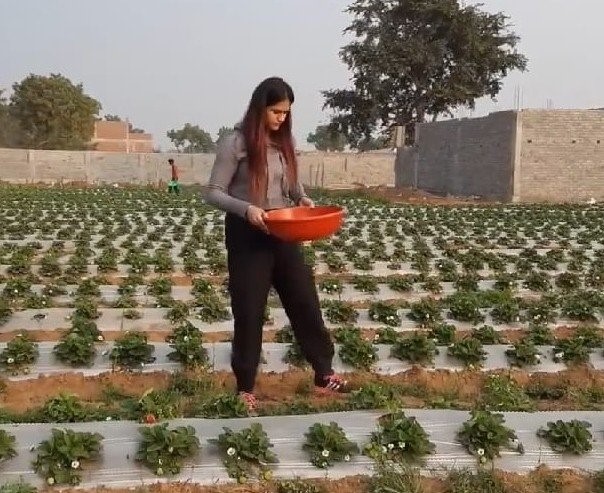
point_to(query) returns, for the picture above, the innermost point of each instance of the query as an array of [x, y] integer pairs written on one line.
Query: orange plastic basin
[[297, 224]]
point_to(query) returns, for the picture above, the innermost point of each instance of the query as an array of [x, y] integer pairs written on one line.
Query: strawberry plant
[[442, 333], [568, 281], [5, 311], [201, 286], [416, 349], [211, 309], [186, 342], [399, 438], [132, 351], [132, 314], [432, 284], [88, 287], [484, 434], [75, 349], [19, 354], [154, 405], [284, 335], [537, 281], [54, 290], [226, 405], [486, 334], [246, 453], [464, 306], [469, 351], [328, 444], [506, 311], [425, 312], [86, 328], [294, 356], [501, 393], [386, 335], [365, 284], [334, 262], [61, 457], [540, 335], [64, 408], [340, 312], [524, 353], [125, 301], [7, 446], [331, 286], [568, 436], [372, 396], [572, 350], [400, 284], [17, 288], [578, 306], [354, 350], [178, 312], [17, 487], [384, 313], [86, 308], [163, 450]]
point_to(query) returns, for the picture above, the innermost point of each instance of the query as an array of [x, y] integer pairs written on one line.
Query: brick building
[[116, 137], [517, 156]]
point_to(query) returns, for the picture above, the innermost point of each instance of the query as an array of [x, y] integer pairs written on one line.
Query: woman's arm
[[215, 192]]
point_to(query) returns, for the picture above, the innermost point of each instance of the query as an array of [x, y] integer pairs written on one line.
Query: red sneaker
[[334, 384], [250, 401]]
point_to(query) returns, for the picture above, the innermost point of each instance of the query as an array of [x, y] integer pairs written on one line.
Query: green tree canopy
[[10, 133], [223, 132], [326, 138], [53, 113], [191, 139], [418, 59]]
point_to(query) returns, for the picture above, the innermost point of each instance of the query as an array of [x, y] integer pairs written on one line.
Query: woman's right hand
[[255, 216]]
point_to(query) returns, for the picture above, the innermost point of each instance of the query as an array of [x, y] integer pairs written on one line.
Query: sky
[[162, 63]]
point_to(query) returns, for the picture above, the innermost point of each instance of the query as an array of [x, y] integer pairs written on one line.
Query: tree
[[10, 133], [53, 112], [191, 139], [327, 138], [414, 59], [223, 132], [112, 118]]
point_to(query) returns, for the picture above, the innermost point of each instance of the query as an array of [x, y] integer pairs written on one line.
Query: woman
[[256, 170]]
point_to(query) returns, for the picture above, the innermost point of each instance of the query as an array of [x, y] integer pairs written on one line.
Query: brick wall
[[329, 170], [462, 157], [562, 155]]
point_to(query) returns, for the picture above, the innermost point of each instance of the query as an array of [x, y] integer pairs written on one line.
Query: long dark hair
[[269, 92]]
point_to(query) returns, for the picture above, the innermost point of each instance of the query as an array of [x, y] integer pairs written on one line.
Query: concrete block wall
[[561, 156], [462, 157], [329, 170]]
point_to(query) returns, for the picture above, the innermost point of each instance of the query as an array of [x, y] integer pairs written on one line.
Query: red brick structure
[[116, 137]]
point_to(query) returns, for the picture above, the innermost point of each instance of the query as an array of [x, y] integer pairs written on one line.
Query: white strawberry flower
[[75, 464], [325, 453], [480, 452], [10, 361], [390, 446], [231, 451], [346, 458]]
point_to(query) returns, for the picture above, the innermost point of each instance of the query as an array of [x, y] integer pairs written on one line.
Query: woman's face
[[276, 115]]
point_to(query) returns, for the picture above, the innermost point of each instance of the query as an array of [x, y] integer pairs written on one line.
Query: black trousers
[[256, 261]]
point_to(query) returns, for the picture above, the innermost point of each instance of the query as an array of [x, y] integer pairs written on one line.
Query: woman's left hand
[[306, 202]]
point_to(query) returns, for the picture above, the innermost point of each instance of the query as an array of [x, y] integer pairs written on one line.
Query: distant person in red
[[173, 185]]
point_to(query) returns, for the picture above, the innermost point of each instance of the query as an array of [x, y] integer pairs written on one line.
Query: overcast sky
[[162, 63]]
